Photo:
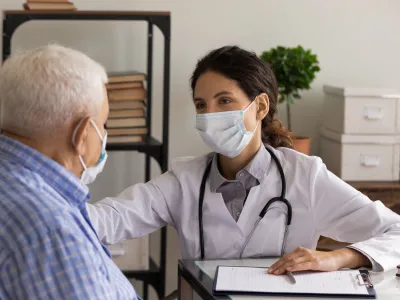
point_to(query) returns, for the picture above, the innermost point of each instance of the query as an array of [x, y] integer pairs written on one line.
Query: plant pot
[[302, 144]]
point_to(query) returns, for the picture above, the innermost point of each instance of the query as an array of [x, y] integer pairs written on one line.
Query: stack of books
[[127, 100], [49, 5]]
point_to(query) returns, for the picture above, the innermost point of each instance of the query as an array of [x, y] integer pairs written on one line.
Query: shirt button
[[238, 184], [238, 214], [241, 174]]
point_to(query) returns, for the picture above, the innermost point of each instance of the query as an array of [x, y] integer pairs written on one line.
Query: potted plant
[[295, 70]]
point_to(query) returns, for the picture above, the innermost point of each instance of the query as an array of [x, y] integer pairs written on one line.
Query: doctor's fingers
[[315, 260], [305, 266], [291, 263], [298, 252]]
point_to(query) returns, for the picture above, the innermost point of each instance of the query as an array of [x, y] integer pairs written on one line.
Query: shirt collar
[[259, 164], [61, 179], [257, 168], [216, 179]]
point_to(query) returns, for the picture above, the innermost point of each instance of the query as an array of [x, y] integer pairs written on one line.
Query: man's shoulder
[[29, 215], [16, 180], [27, 200]]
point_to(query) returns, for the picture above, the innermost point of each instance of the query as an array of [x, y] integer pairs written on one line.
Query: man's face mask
[[90, 174]]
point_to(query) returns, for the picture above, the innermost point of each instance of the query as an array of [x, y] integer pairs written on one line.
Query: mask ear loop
[[102, 138], [258, 121], [250, 104], [97, 129]]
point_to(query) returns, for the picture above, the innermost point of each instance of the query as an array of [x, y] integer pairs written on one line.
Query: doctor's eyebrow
[[222, 93]]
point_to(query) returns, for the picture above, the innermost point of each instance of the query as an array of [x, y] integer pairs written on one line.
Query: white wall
[[358, 44]]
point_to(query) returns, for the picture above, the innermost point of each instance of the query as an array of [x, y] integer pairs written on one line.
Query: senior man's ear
[[81, 136]]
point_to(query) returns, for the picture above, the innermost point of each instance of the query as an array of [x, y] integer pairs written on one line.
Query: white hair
[[46, 89]]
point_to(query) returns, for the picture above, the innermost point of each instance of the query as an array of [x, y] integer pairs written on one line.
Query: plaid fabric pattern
[[48, 247]]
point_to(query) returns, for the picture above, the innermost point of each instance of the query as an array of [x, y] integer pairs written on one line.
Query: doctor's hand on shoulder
[[303, 259], [253, 196]]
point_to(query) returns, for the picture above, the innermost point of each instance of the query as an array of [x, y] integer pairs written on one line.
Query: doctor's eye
[[200, 105], [225, 100]]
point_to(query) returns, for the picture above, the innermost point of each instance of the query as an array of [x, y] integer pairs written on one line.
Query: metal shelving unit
[[151, 147]]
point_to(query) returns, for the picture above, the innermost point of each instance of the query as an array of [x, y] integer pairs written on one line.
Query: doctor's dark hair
[[254, 77]]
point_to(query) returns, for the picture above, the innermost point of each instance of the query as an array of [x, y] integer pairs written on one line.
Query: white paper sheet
[[250, 279]]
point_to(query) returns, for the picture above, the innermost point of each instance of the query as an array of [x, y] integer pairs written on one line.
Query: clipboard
[[233, 280]]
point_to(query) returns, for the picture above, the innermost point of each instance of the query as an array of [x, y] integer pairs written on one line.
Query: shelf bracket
[[164, 24]]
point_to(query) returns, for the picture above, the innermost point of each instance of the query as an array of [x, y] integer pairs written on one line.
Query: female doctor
[[253, 196]]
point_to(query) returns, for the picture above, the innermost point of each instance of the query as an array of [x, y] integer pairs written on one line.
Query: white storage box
[[361, 111], [361, 157]]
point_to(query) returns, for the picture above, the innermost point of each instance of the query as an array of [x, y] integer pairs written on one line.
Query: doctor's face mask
[[225, 132]]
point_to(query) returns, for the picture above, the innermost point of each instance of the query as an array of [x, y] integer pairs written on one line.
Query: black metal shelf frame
[[151, 147]]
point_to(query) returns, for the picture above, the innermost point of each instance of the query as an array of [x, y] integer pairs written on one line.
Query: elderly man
[[53, 107]]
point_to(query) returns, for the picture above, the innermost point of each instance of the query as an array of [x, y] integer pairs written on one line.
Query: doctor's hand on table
[[303, 259]]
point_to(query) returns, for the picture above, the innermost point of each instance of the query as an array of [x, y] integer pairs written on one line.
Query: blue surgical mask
[[90, 173], [225, 132]]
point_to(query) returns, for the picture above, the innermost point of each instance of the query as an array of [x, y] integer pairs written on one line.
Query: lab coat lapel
[[221, 232], [268, 236], [256, 200], [258, 197], [214, 206]]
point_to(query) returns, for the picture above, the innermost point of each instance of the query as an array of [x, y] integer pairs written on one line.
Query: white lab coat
[[322, 205]]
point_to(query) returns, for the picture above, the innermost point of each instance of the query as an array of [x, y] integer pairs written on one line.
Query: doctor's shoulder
[[185, 163], [291, 158], [301, 168], [186, 172], [310, 174]]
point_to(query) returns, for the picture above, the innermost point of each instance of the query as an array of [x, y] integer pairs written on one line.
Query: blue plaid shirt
[[48, 247]]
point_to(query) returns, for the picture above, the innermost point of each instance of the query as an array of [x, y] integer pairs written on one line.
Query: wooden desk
[[387, 192], [197, 276]]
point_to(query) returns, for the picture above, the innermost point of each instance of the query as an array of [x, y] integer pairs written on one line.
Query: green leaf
[[295, 69], [296, 95]]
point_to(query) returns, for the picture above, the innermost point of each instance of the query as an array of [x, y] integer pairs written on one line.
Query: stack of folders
[[49, 5], [127, 100]]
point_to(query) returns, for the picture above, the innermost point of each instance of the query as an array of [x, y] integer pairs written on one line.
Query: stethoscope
[[262, 213]]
